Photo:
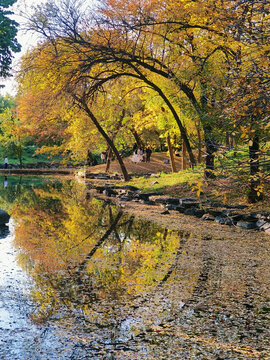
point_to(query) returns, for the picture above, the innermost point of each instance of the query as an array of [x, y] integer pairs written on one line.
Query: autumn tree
[[246, 103], [192, 45], [12, 135], [92, 57], [65, 84]]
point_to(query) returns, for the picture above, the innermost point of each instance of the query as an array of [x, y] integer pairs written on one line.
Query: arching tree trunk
[[83, 105], [173, 111], [184, 156]]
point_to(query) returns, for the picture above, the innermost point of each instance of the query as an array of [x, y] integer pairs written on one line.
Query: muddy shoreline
[[196, 226]]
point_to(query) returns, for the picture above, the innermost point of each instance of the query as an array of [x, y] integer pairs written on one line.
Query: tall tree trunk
[[211, 148], [199, 158], [254, 148], [171, 154], [89, 159], [184, 156]]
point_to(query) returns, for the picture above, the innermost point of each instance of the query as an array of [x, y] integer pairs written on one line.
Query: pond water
[[81, 279]]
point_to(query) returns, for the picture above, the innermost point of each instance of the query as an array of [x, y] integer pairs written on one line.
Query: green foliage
[[29, 155], [8, 41]]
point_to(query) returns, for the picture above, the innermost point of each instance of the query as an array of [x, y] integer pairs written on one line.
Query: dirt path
[[154, 166]]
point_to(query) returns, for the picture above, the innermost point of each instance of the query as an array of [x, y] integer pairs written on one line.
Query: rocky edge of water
[[223, 214]]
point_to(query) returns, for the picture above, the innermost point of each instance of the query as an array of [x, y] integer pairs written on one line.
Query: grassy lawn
[[29, 156]]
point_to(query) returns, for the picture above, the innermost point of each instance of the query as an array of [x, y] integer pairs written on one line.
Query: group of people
[[139, 155]]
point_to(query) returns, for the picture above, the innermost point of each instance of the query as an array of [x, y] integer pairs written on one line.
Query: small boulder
[[263, 226], [246, 225], [4, 217], [208, 217]]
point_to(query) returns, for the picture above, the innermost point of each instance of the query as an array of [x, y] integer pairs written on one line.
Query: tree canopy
[[206, 62]]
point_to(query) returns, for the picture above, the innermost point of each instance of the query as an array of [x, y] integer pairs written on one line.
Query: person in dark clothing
[[148, 154]]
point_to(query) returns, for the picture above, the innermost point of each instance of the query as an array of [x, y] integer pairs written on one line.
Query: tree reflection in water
[[135, 289]]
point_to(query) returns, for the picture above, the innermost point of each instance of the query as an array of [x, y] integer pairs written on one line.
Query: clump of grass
[[164, 180]]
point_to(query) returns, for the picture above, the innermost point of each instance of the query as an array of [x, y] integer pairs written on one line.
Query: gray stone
[[109, 192], [178, 208], [130, 187], [208, 217], [189, 202], [199, 213], [171, 201], [190, 211], [142, 196], [220, 219], [124, 198], [148, 202], [263, 226], [4, 217], [246, 225], [213, 212], [100, 189], [229, 222], [249, 218]]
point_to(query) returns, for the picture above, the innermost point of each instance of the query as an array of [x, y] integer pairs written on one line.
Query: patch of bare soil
[[155, 165]]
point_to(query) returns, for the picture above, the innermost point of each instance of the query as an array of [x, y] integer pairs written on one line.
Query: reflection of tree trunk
[[182, 242], [100, 217], [171, 153], [201, 289], [164, 238], [19, 187], [100, 242], [125, 233]]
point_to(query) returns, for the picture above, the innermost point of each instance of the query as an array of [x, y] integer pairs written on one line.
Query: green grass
[[29, 156], [167, 180]]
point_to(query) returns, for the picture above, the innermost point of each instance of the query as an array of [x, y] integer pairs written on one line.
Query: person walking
[[6, 162], [148, 154]]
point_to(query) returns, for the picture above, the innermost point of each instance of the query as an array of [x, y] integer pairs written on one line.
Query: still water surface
[[80, 279]]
